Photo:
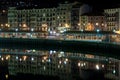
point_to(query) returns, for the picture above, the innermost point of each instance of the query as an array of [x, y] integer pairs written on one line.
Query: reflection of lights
[[6, 76], [0, 56], [97, 67]]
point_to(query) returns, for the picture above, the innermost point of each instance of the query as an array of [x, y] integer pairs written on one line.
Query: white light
[[32, 59], [16, 29], [33, 50], [102, 66], [58, 66], [44, 67], [65, 62], [54, 51], [20, 59], [32, 29], [97, 67], [114, 71], [16, 57], [82, 64], [66, 59], [98, 30], [49, 60], [54, 32], [51, 51], [81, 30], [114, 30], [2, 58], [60, 62], [79, 64]]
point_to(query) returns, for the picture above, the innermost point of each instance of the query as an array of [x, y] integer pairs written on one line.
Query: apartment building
[[92, 22], [112, 18], [44, 19]]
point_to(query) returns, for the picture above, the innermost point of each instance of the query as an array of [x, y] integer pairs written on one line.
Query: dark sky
[[97, 4]]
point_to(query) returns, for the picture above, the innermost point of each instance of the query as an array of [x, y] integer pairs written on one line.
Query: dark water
[[21, 63]]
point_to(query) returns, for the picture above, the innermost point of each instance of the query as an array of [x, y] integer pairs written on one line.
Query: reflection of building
[[92, 21], [112, 18], [67, 66]]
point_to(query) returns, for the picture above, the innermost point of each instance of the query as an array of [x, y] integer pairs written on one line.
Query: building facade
[[44, 19], [92, 22], [112, 19]]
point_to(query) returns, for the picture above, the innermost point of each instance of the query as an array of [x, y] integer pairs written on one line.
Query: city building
[[77, 10], [92, 22], [45, 19], [3, 19], [112, 18], [65, 15]]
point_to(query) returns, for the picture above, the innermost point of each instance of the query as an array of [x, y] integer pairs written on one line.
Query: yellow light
[[60, 62], [7, 57], [6, 76], [1, 24], [66, 59], [2, 58], [24, 25], [45, 57], [24, 58], [79, 64], [66, 25]]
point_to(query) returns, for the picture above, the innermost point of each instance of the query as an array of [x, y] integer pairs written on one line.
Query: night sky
[[96, 4]]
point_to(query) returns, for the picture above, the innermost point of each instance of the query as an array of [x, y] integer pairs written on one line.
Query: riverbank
[[96, 48]]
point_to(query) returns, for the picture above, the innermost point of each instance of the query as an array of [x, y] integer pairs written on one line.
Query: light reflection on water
[[64, 65]]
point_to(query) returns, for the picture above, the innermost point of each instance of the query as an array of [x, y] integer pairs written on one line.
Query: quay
[[97, 48]]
